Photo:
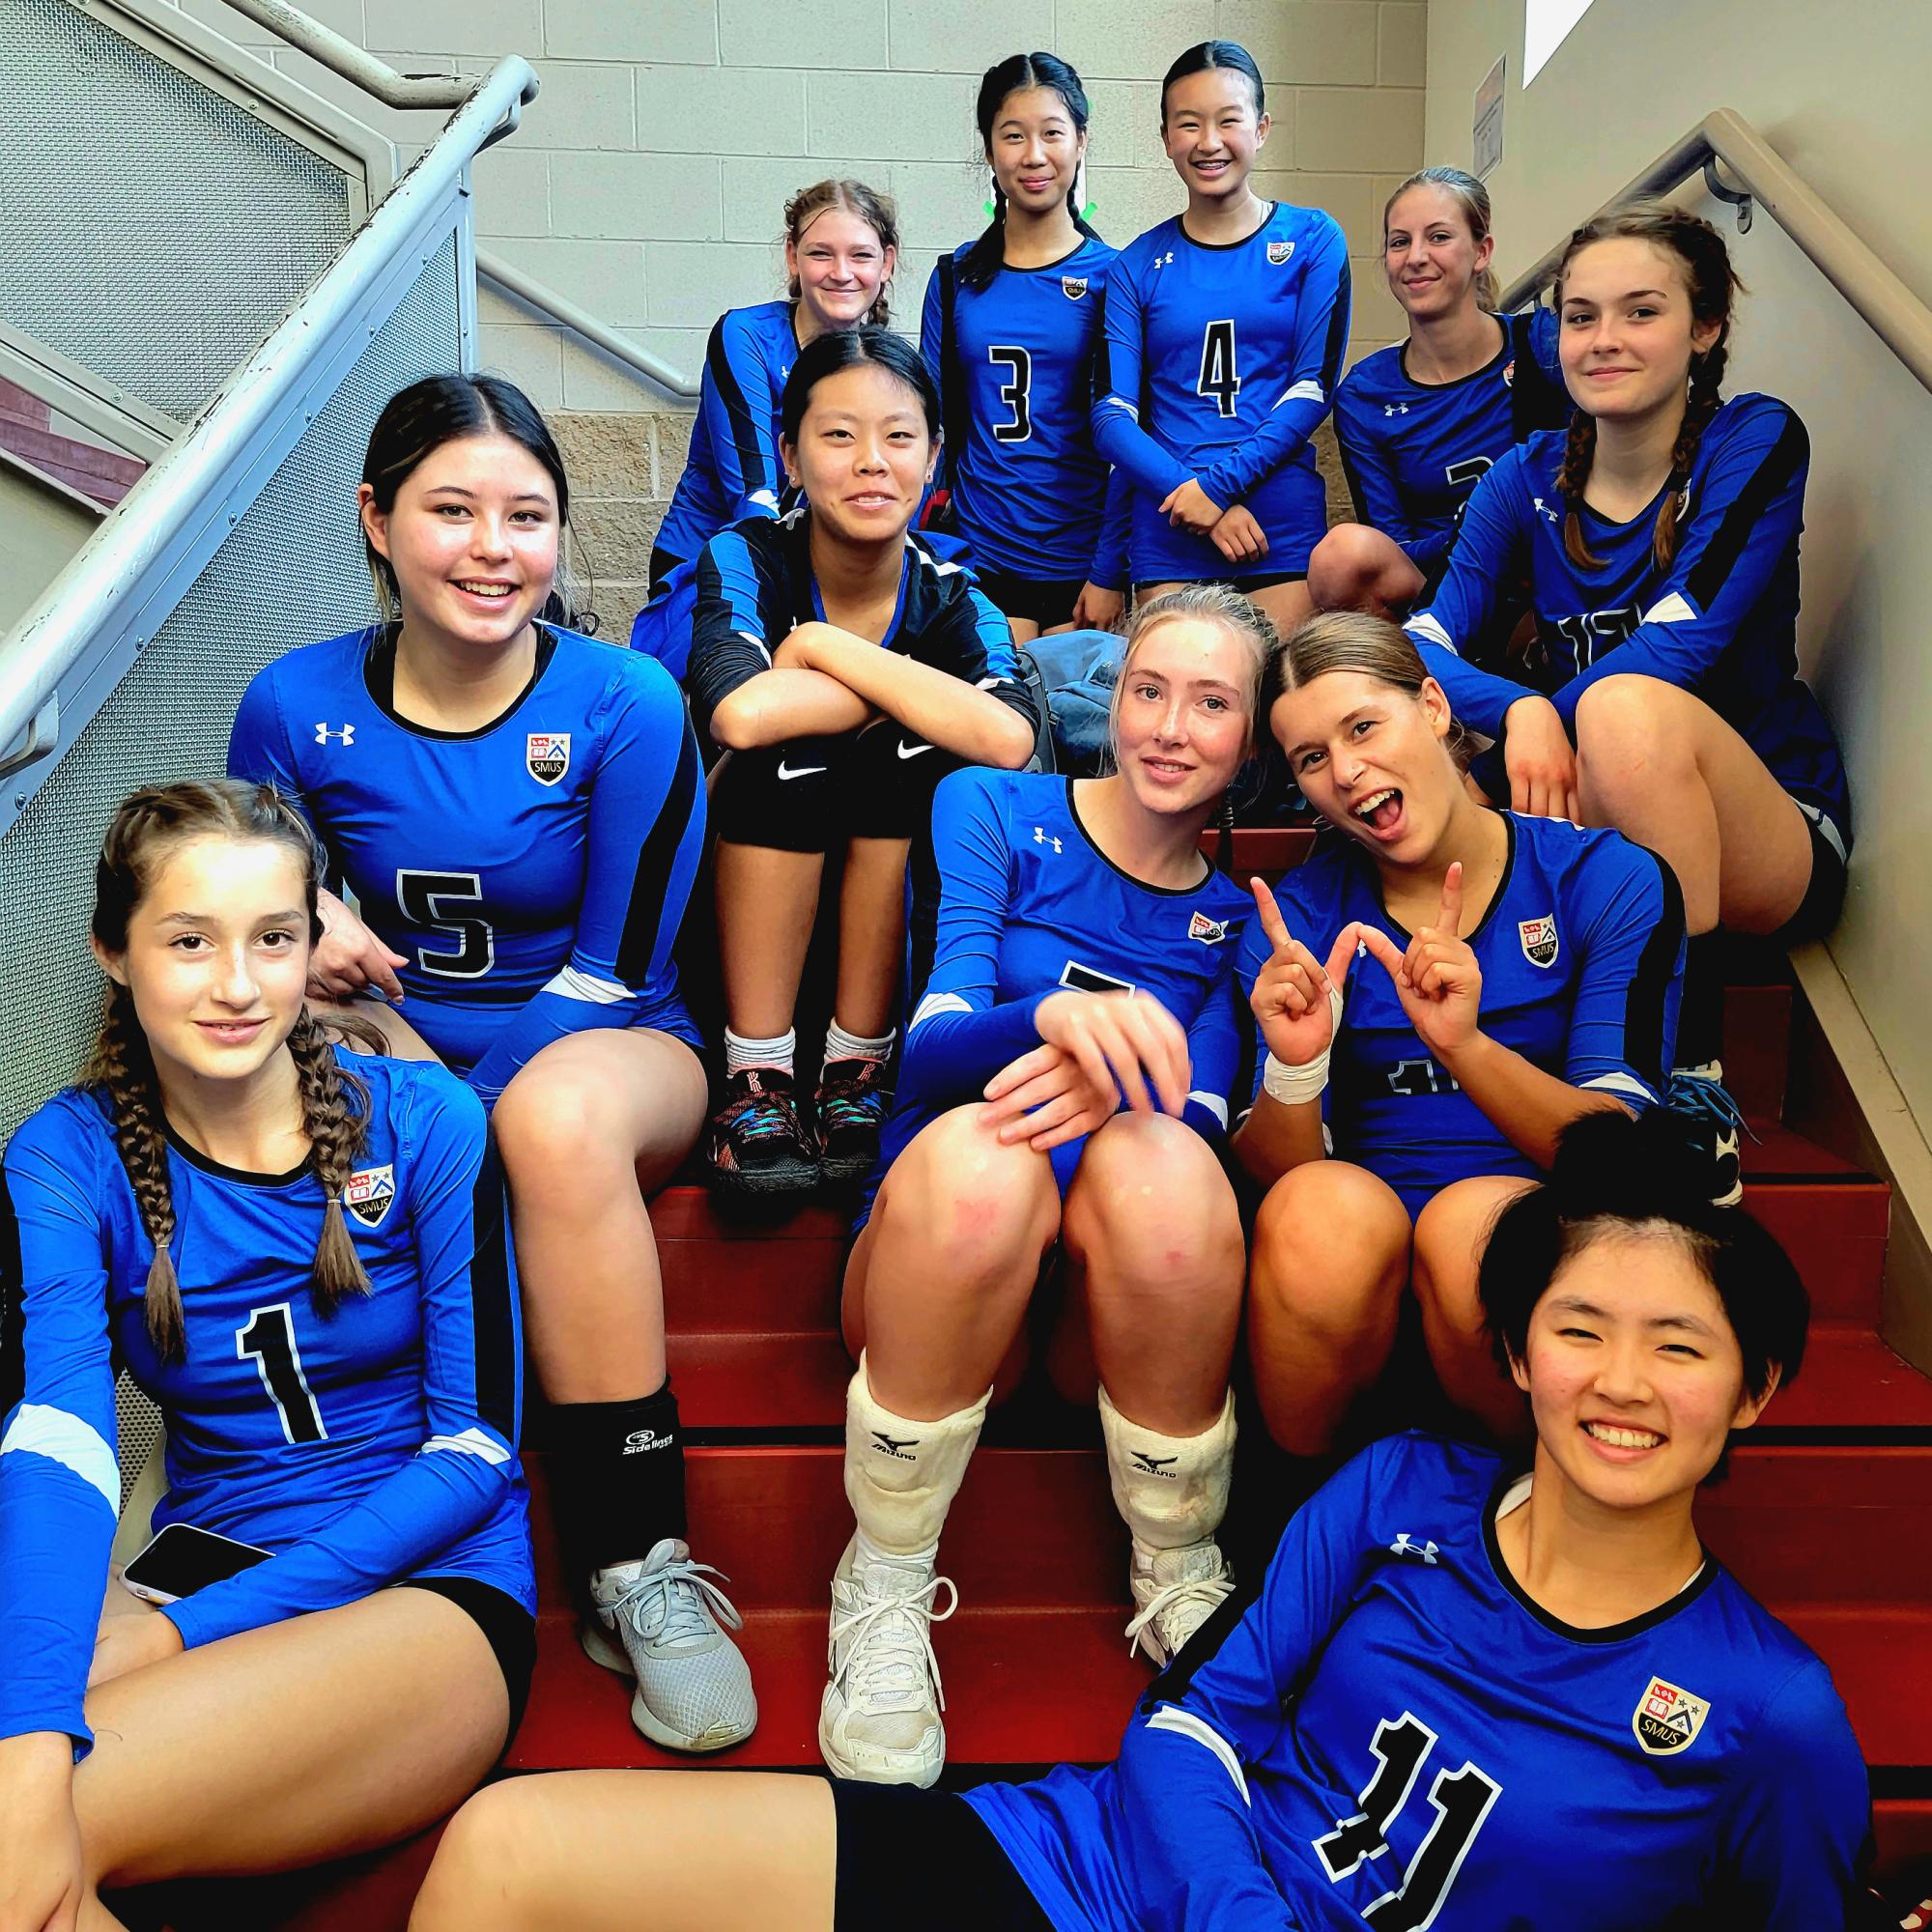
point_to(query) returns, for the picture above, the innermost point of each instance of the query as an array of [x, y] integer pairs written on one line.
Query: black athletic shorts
[[922, 1857], [815, 793], [1045, 600], [509, 1630], [1259, 580], [1825, 893]]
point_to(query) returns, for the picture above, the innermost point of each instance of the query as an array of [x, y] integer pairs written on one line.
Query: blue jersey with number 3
[[365, 1446], [533, 873], [1394, 1735]]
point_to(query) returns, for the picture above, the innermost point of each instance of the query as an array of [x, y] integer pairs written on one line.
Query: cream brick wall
[[647, 180]]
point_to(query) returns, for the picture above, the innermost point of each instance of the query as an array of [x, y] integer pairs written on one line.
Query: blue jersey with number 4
[[1393, 1734], [1582, 953], [1217, 363], [533, 872], [365, 1446]]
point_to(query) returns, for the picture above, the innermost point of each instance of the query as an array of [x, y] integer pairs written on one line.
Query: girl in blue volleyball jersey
[[1661, 539], [519, 813], [1419, 422], [1520, 971], [1225, 332], [300, 1255], [841, 245], [1470, 1693], [1009, 331]]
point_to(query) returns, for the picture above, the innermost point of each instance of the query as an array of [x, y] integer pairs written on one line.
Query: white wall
[[1838, 91]]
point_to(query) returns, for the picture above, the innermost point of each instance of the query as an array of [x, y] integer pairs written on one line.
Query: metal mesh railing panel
[[153, 231], [291, 571]]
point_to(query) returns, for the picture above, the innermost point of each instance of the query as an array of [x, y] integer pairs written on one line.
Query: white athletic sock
[[776, 1052], [1171, 1490], [842, 1046], [901, 1475]]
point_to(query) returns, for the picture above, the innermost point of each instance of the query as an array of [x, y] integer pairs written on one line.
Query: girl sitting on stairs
[[1467, 1693]]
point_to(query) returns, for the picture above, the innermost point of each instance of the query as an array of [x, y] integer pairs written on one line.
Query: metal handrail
[[1896, 316], [173, 492], [560, 308], [399, 90]]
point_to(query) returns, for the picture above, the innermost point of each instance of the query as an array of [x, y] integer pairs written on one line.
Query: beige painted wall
[[1839, 93], [647, 181]]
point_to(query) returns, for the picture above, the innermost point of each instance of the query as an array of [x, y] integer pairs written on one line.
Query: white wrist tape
[[1296, 1086]]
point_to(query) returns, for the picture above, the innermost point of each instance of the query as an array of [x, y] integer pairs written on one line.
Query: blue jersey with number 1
[[1217, 363], [363, 1447], [533, 872]]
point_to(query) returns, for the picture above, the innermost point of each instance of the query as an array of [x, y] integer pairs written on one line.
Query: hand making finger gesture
[[1291, 994], [1437, 981]]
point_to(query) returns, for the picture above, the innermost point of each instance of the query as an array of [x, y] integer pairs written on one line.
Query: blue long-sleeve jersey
[[533, 872], [1413, 451], [733, 469], [1026, 906], [1217, 363], [1720, 623], [363, 1447], [1393, 1734], [1581, 953], [1014, 364]]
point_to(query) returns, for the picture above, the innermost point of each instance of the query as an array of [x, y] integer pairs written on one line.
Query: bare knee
[[1149, 1191], [1331, 1250], [558, 1130], [1630, 722], [1355, 567], [1451, 1233], [976, 1210], [486, 1871]]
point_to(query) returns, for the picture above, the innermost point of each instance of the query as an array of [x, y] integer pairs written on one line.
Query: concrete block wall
[[647, 181]]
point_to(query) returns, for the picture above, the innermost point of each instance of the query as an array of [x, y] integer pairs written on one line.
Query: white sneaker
[[665, 1616], [1176, 1592], [878, 1720]]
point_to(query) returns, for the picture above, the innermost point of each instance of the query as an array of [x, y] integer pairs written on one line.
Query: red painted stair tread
[[1022, 1687]]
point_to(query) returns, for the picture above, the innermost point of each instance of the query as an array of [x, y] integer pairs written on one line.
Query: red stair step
[[1032, 1528], [1757, 1042], [1880, 1661], [1852, 1381], [1903, 1829], [760, 1382], [1796, 1523], [1835, 1233], [1022, 1687]]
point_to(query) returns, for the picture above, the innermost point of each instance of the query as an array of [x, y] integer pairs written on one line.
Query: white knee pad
[[901, 1475], [1171, 1490]]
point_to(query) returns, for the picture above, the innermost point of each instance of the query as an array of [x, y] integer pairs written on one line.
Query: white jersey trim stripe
[[1619, 1083], [589, 988], [1215, 1104], [1676, 609], [1304, 391], [935, 1004], [757, 644], [471, 1442], [1423, 626], [1185, 1724], [64, 1438]]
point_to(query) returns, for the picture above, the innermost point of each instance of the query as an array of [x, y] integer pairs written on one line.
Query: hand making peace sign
[[1437, 981], [1291, 994]]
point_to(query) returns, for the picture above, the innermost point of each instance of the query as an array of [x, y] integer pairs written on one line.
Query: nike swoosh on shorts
[[912, 751], [803, 772]]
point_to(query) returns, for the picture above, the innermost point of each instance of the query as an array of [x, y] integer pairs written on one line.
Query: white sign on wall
[[1489, 121], [1545, 23]]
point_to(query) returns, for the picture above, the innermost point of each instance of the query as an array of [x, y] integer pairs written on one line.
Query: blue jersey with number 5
[[533, 872], [362, 1447]]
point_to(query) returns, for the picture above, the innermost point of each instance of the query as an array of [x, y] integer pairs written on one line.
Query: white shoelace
[[891, 1649], [1206, 1592], [688, 1603]]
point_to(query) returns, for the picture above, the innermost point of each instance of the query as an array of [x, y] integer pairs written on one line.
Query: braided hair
[[1713, 286], [875, 209], [334, 1104], [1014, 75]]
